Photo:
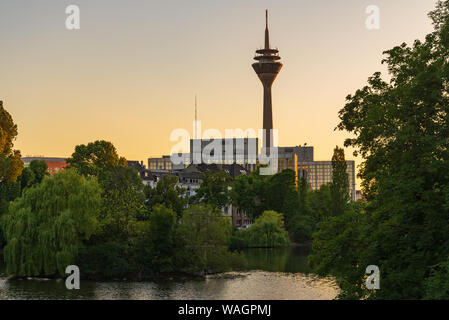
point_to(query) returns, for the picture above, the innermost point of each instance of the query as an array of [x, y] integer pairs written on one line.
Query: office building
[[241, 151], [318, 173]]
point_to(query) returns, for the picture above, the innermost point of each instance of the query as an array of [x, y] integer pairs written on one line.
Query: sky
[[129, 75]]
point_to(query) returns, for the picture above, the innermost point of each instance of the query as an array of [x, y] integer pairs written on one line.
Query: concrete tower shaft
[[267, 69]]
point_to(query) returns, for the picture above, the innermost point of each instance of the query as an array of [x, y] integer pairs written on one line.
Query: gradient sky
[[130, 74]]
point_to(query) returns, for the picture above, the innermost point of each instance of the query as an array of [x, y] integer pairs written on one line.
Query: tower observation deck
[[267, 68]]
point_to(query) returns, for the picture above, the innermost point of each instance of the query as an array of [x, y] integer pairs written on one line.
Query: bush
[[267, 231], [204, 235], [105, 260]]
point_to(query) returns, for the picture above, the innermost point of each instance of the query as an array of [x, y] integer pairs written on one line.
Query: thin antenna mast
[[195, 119]]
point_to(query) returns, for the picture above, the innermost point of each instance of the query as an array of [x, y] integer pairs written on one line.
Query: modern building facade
[[318, 173], [242, 151], [288, 157]]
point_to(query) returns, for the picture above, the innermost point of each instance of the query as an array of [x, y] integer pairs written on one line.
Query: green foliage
[[157, 246], [95, 157], [8, 192], [267, 231], [255, 193], [26, 179], [281, 194], [339, 187], [337, 247], [248, 193], [205, 234], [45, 226], [320, 203], [10, 164], [437, 284], [105, 260], [33, 174], [214, 189], [400, 128], [302, 224], [123, 202], [166, 193]]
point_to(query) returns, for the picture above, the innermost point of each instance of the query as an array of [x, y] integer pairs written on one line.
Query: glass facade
[[318, 173]]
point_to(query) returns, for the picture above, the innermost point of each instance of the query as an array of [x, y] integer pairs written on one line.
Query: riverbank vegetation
[[98, 215], [266, 232], [400, 127]]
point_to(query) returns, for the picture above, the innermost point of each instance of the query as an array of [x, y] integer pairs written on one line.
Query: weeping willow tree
[[45, 227]]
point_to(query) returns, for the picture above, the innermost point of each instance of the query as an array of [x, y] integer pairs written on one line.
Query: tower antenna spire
[[267, 35], [266, 19], [267, 68], [196, 119]]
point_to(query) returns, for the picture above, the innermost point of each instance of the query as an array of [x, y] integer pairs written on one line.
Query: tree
[[167, 193], [39, 169], [400, 128], [437, 285], [105, 260], [320, 203], [123, 201], [10, 164], [95, 157], [45, 227], [267, 231], [123, 190], [340, 184], [281, 194], [302, 223], [204, 235], [255, 193], [214, 189], [33, 174], [248, 193], [158, 244], [338, 246]]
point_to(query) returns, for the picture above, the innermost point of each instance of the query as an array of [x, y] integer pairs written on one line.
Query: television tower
[[267, 68]]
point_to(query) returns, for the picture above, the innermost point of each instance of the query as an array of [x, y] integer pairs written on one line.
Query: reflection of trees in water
[[190, 288], [292, 259], [2, 264], [46, 289]]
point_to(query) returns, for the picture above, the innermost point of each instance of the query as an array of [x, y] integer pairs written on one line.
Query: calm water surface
[[272, 274]]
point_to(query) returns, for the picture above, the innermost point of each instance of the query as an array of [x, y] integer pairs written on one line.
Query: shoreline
[[173, 276]]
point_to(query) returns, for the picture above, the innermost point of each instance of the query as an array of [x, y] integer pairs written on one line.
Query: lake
[[277, 274]]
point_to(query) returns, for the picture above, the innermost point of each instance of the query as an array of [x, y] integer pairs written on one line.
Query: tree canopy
[[167, 193], [10, 163], [214, 189], [45, 227], [400, 128], [94, 157], [33, 174]]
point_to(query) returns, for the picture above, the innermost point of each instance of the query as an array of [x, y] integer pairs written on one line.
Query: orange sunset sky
[[130, 74]]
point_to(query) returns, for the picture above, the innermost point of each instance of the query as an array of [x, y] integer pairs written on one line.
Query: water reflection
[[293, 259], [273, 274]]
